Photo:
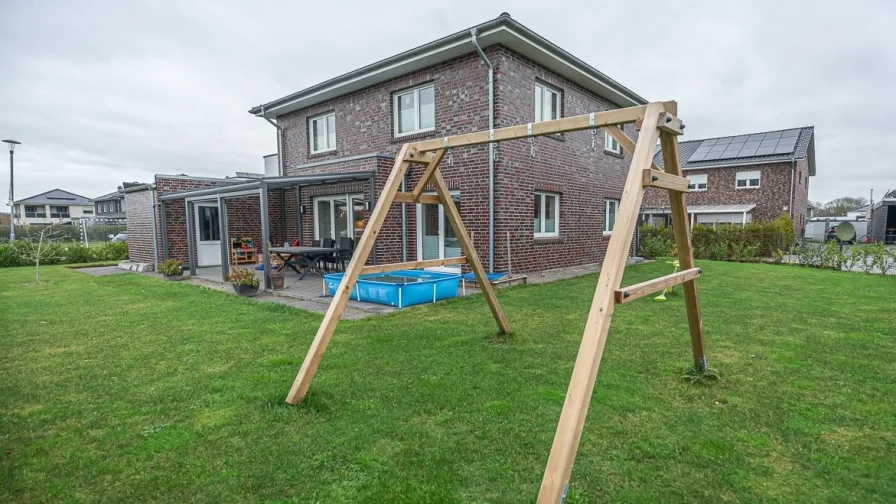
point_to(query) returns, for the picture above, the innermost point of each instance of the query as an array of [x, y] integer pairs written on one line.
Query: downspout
[[279, 142], [792, 178], [491, 152], [155, 233]]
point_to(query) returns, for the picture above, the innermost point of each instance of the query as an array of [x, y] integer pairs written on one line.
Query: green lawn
[[126, 388]]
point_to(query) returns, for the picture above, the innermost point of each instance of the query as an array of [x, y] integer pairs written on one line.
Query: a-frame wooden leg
[[342, 295], [681, 229], [469, 250], [581, 385]]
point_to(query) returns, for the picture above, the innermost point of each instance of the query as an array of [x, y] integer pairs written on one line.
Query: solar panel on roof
[[713, 155], [742, 146], [723, 141], [765, 151], [745, 152], [769, 143], [773, 135], [708, 143], [756, 137], [741, 138], [791, 133], [697, 156]]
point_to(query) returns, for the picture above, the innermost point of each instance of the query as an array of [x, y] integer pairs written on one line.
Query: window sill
[[608, 233], [614, 154], [743, 188], [543, 240], [698, 190], [322, 153], [413, 136]]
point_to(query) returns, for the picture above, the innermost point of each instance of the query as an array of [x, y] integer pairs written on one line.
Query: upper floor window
[[415, 110], [547, 210], [747, 179], [611, 145], [547, 103], [35, 212], [59, 212], [322, 129], [88, 211], [697, 182], [611, 207]]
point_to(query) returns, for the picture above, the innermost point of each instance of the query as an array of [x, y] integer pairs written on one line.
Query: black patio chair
[[346, 249], [329, 259], [315, 243]]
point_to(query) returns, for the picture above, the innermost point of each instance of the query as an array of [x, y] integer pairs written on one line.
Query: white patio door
[[435, 237], [208, 235]]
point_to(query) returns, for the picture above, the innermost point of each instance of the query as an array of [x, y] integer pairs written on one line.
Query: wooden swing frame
[[655, 121]]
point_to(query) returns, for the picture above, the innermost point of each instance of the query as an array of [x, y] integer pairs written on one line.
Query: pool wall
[[429, 287]]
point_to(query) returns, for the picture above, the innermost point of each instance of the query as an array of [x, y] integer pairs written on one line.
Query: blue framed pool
[[400, 288]]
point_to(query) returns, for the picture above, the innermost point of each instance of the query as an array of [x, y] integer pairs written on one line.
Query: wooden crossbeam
[[419, 157], [412, 265], [563, 125], [406, 197], [637, 291], [663, 180]]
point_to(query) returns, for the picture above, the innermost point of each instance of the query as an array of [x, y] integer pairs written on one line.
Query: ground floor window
[[35, 212], [611, 206], [547, 210], [208, 223], [339, 216]]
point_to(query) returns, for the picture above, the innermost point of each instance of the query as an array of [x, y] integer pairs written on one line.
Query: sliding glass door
[[435, 237], [338, 216]]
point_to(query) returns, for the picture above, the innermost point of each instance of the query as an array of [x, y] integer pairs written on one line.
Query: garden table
[[308, 258]]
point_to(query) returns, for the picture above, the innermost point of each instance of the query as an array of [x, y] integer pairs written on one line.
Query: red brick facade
[[772, 198], [566, 165]]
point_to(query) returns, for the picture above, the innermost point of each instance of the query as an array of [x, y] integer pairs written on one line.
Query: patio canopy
[[251, 187]]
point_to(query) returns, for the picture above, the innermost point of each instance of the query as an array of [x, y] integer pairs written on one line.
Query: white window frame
[[416, 93], [332, 197], [696, 180], [325, 118], [443, 230], [611, 145], [543, 90], [607, 204], [747, 176], [556, 232]]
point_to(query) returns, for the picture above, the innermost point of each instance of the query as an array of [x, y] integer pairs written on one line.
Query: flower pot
[[174, 278], [277, 279], [245, 290]]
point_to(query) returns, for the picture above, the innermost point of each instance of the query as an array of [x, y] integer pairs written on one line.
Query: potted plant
[[171, 270], [244, 281], [278, 278]]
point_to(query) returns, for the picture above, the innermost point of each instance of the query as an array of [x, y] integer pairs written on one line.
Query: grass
[[126, 388], [92, 264]]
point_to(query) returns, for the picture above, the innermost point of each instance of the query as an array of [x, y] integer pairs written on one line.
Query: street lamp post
[[12, 205]]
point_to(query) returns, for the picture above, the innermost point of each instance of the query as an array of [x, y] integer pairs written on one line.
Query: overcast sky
[[101, 92]]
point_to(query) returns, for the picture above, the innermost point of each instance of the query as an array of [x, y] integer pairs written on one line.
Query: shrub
[[12, 254], [655, 245], [170, 267], [242, 276]]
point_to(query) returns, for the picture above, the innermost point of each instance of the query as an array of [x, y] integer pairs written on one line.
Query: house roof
[[502, 30], [55, 197], [110, 196], [804, 148]]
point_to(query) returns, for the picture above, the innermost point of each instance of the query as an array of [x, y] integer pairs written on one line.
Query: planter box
[[174, 278], [245, 290]]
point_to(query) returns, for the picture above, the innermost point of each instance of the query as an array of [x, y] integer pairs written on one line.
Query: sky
[[101, 92]]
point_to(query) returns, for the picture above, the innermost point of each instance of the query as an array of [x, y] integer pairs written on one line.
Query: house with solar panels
[[743, 178]]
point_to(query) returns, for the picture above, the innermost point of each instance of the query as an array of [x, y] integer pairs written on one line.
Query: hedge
[[62, 253], [755, 240]]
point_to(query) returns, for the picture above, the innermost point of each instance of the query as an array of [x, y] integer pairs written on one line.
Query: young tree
[[39, 249], [838, 207]]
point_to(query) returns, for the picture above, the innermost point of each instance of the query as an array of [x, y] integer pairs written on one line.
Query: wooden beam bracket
[[637, 291], [406, 197], [663, 180]]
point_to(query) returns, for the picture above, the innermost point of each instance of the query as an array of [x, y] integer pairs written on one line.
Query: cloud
[[101, 91]]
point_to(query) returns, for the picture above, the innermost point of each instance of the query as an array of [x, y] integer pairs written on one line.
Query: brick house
[[529, 208], [743, 178]]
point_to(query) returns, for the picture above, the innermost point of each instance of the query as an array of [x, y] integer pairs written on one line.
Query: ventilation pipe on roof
[[279, 142], [491, 152]]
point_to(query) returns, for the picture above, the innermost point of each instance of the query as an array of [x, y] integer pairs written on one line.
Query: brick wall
[[772, 197], [138, 206], [567, 165], [564, 164], [175, 212]]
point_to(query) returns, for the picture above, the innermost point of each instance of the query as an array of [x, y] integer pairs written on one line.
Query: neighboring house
[[811, 210], [883, 219], [109, 206], [858, 213], [338, 139], [54, 206], [743, 178]]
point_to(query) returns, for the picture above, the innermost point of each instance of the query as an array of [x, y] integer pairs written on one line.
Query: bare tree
[[35, 250]]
